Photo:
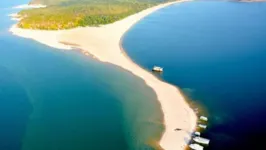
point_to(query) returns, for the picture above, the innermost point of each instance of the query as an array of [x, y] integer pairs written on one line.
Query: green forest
[[66, 14]]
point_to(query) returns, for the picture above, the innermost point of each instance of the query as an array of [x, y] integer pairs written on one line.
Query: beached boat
[[157, 69], [201, 140], [196, 147]]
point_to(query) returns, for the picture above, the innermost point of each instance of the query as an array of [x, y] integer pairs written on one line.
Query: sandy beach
[[104, 44], [26, 6]]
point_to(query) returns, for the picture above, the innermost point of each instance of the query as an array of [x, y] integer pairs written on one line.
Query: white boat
[[202, 126], [196, 147], [197, 133], [203, 118], [157, 68], [201, 140]]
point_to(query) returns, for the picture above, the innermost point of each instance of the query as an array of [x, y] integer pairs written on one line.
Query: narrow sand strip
[[104, 44], [26, 6]]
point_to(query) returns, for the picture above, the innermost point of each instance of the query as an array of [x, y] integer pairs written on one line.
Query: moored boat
[[201, 140], [203, 118], [196, 147], [202, 126], [157, 69]]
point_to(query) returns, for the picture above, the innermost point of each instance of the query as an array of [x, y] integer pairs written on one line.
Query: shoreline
[[26, 6], [105, 44]]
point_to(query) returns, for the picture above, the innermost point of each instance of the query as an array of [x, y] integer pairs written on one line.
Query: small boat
[[157, 69], [201, 140], [196, 147], [197, 133], [203, 118], [202, 126]]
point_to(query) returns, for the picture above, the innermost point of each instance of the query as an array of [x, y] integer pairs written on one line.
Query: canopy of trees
[[65, 14]]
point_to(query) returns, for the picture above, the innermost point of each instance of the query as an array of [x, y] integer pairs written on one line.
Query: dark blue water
[[61, 100], [216, 52]]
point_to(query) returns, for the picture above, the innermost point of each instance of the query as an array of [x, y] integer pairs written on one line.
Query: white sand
[[49, 38], [26, 6], [104, 44], [15, 16]]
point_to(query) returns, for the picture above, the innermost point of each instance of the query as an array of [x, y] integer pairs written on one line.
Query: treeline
[[69, 2], [70, 14]]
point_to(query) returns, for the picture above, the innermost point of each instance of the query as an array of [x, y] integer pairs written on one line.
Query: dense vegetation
[[65, 14]]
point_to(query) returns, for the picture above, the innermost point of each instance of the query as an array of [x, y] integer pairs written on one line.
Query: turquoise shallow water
[[216, 52], [62, 100]]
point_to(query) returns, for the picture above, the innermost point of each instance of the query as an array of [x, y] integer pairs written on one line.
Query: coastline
[[104, 43], [26, 6]]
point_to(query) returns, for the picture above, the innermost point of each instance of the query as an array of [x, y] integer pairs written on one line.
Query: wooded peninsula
[[66, 14]]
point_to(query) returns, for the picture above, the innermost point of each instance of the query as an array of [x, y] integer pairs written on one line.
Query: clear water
[[216, 52], [61, 100]]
